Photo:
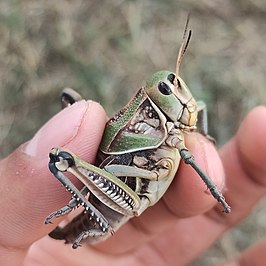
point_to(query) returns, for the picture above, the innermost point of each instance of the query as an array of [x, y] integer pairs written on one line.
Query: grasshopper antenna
[[183, 47]]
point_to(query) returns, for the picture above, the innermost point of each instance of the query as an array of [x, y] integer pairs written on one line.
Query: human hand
[[183, 224]]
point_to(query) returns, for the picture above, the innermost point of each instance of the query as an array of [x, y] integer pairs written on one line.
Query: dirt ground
[[107, 49]]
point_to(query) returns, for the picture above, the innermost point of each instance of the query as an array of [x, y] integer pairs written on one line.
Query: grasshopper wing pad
[[139, 125]]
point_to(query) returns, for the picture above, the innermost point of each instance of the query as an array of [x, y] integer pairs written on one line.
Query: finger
[[244, 161], [28, 190], [255, 255], [187, 196]]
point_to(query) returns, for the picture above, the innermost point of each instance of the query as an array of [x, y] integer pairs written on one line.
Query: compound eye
[[171, 78], [164, 88]]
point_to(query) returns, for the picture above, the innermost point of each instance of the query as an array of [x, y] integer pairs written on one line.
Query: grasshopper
[[139, 155]]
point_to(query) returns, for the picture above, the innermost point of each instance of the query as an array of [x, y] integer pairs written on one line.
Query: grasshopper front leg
[[203, 121], [188, 158], [176, 140]]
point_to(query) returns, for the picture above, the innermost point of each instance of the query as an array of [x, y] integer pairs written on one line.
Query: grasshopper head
[[172, 96]]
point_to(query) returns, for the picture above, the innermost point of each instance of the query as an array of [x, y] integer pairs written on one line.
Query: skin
[[162, 234]]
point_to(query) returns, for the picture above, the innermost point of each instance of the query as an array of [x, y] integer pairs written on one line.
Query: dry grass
[[104, 49]]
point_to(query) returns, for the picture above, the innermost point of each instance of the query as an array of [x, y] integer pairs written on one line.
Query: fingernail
[[58, 131]]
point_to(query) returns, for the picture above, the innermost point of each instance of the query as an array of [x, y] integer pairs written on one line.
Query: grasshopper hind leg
[[86, 234], [69, 96], [82, 229], [73, 203]]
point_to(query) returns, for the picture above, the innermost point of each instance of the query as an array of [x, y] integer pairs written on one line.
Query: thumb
[[28, 190]]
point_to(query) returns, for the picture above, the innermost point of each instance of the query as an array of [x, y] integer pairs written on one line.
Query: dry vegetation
[[104, 49]]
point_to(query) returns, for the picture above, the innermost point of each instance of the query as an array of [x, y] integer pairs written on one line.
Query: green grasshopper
[[138, 158]]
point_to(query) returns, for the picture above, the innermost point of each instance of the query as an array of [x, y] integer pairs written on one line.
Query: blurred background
[[107, 49]]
